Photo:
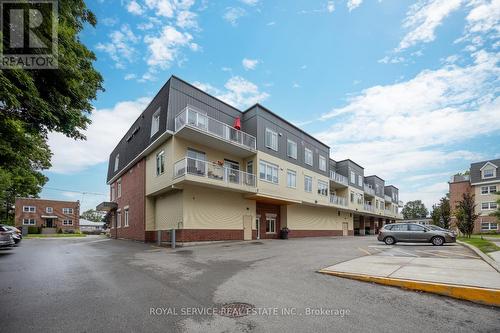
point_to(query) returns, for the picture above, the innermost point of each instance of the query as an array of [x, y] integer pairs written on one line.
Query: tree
[[414, 210], [436, 215], [445, 212], [38, 101], [92, 215], [465, 214], [496, 213]]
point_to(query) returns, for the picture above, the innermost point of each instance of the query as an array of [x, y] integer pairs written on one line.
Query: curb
[[483, 256], [484, 296]]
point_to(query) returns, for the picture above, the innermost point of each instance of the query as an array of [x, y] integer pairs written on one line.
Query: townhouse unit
[[50, 215], [483, 180], [193, 163]]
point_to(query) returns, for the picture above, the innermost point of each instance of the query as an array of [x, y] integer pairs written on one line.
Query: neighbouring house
[[50, 215], [483, 181], [87, 226], [194, 163]]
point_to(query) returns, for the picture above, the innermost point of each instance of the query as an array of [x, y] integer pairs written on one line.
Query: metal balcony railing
[[369, 190], [210, 170], [192, 117], [369, 208], [339, 201], [338, 178]]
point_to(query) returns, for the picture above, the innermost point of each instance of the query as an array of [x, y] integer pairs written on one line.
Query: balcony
[[387, 198], [213, 174], [194, 125], [369, 208], [338, 180], [370, 191], [338, 201]]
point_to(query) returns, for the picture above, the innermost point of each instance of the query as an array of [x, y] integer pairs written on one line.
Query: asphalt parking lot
[[95, 284], [450, 251]]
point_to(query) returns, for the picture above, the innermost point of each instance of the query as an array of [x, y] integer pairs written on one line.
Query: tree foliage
[[465, 214], [436, 215], [92, 215], [445, 212], [414, 210], [38, 101]]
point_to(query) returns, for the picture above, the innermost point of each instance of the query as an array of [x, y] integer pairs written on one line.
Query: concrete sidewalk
[[469, 279]]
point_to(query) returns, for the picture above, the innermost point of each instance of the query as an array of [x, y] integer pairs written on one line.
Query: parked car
[[435, 227], [414, 233], [17, 235], [6, 239]]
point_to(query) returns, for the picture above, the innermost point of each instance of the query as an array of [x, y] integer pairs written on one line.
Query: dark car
[[16, 233], [414, 233], [6, 239]]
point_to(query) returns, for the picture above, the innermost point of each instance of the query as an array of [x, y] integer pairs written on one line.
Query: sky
[[409, 90]]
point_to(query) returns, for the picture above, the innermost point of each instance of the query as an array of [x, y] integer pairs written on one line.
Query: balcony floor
[[212, 183]]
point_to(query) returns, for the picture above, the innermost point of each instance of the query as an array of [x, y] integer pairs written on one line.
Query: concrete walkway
[[466, 272]]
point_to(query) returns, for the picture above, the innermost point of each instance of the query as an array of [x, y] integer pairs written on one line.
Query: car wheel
[[389, 240], [438, 241]]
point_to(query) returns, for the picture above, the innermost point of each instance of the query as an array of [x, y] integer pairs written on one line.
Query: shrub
[[59, 231], [33, 230]]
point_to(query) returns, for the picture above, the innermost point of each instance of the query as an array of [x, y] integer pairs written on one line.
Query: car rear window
[[399, 227]]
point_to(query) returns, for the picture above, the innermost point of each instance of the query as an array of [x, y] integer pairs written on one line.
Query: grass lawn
[[490, 235], [54, 235], [482, 244]]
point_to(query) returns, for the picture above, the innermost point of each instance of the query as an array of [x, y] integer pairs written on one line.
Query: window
[[113, 194], [117, 161], [308, 156], [493, 189], [268, 172], [29, 209], [119, 219], [29, 222], [271, 139], [196, 164], [360, 199], [488, 173], [67, 222], [119, 188], [308, 183], [352, 197], [400, 227], [270, 225], [126, 217], [322, 163], [322, 188], [360, 180], [67, 210], [160, 163], [488, 205], [414, 227], [291, 179], [291, 149], [353, 177], [487, 226], [488, 189], [49, 210], [155, 122]]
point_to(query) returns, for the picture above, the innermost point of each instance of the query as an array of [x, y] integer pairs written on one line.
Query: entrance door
[[247, 227], [345, 227], [48, 223]]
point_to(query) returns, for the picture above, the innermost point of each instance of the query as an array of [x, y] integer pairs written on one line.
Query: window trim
[[117, 162], [155, 116], [273, 219], [288, 142], [269, 165], [119, 188], [118, 218], [325, 184], [67, 222], [289, 171], [29, 221], [49, 211], [322, 159], [160, 154], [29, 209], [353, 175], [67, 210], [311, 182], [126, 217], [306, 151], [273, 134]]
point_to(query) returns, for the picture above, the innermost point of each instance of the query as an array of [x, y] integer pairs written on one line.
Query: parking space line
[[407, 253], [434, 254], [365, 251], [458, 254]]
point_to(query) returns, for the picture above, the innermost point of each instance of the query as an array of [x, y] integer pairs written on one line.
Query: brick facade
[[456, 192], [263, 209], [46, 218], [132, 197], [314, 233]]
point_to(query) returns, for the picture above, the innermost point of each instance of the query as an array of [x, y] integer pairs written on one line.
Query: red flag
[[237, 123]]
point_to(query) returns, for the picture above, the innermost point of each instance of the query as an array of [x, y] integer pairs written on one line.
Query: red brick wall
[[41, 205], [197, 235], [314, 233], [262, 209], [133, 196], [456, 192]]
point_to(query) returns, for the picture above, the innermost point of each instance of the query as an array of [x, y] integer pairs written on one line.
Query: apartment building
[[483, 181], [50, 215], [193, 163]]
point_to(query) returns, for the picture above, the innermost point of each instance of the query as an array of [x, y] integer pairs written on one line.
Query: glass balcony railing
[[338, 178], [369, 190], [388, 198], [192, 117], [213, 171], [339, 201], [369, 208]]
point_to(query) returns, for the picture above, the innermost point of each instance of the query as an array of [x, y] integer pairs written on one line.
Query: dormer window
[[489, 170], [117, 161]]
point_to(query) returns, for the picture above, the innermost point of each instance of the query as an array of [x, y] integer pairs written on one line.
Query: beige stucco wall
[[168, 211], [281, 190], [479, 198], [303, 217], [206, 208]]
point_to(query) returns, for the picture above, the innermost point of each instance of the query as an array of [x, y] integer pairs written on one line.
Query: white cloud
[[130, 76], [187, 20], [485, 16], [423, 18], [233, 14], [269, 24], [120, 47], [330, 6], [162, 7], [107, 128], [165, 48], [295, 85], [353, 4], [238, 92], [412, 124], [134, 8], [250, 2], [249, 64], [391, 60]]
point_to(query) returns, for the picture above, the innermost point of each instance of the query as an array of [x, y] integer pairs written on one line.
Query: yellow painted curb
[[474, 294]]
